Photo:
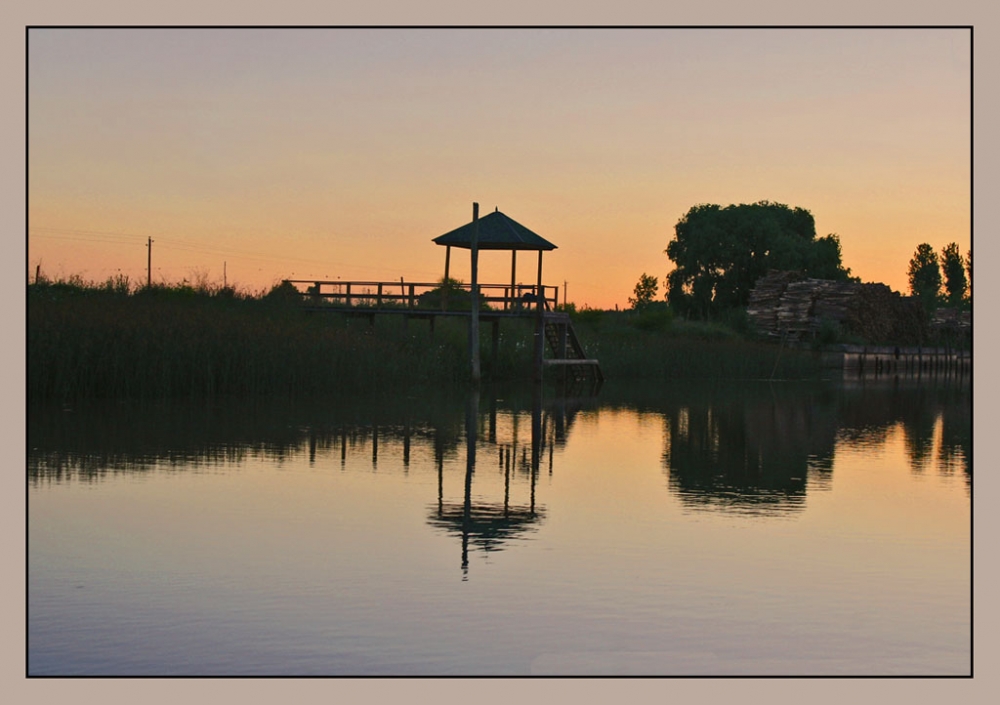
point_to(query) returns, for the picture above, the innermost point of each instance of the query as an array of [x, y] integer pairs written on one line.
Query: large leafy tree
[[925, 275], [955, 283], [719, 253]]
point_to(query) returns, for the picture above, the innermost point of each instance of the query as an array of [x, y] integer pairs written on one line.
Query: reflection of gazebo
[[485, 525], [496, 231]]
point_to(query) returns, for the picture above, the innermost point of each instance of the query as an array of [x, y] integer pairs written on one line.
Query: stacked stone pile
[[765, 299], [952, 318], [786, 304]]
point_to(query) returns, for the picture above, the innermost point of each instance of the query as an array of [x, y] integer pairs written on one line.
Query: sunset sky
[[326, 153]]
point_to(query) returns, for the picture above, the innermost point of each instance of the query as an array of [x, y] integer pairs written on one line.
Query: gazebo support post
[[474, 318], [499, 232], [540, 301], [495, 348], [539, 322], [444, 284], [513, 278]]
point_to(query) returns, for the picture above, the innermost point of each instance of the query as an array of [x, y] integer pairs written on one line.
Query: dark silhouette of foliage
[[955, 283], [285, 291], [968, 268], [645, 291], [451, 295], [719, 253], [925, 275]]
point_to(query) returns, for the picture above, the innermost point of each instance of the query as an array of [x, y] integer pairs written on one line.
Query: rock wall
[[786, 304]]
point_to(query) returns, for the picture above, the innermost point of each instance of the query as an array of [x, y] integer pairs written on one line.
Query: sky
[[255, 155]]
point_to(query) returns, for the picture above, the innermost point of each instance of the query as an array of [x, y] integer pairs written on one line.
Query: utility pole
[[149, 262], [224, 275]]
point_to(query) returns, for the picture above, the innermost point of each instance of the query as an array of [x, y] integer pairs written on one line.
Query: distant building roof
[[496, 232]]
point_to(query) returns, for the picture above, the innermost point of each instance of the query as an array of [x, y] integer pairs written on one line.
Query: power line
[[172, 243], [84, 239]]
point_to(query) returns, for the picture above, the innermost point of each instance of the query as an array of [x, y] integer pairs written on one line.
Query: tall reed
[[91, 341], [88, 342]]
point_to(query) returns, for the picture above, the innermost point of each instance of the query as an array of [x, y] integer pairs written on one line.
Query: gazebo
[[497, 231], [494, 231]]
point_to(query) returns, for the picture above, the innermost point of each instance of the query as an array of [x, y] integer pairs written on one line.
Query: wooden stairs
[[567, 353]]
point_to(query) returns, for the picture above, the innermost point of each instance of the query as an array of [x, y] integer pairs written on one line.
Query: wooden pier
[[866, 360], [567, 353], [475, 301], [429, 301]]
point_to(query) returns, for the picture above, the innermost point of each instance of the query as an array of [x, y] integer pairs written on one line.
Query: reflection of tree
[[955, 451], [870, 409], [918, 439], [750, 452], [757, 448]]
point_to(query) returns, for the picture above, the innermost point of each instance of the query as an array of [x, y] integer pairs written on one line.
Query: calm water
[[752, 529]]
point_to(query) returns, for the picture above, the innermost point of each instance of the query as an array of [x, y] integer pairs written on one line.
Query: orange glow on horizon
[[341, 153]]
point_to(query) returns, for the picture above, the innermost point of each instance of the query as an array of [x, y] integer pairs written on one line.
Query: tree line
[[719, 253], [936, 281]]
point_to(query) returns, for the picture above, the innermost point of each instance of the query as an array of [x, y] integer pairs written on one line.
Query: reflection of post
[[536, 426], [374, 447], [514, 431], [506, 487], [536, 437], [493, 418], [439, 460], [559, 420], [471, 429], [406, 444]]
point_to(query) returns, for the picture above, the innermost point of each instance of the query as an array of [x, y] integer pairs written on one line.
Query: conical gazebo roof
[[497, 231]]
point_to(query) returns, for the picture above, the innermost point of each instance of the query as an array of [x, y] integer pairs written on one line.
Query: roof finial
[[496, 209]]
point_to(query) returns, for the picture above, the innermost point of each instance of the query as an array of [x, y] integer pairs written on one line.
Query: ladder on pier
[[567, 352]]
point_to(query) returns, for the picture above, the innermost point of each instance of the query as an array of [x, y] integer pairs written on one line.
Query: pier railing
[[424, 296], [864, 360]]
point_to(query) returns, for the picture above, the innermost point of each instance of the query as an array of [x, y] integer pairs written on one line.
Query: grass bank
[[177, 342], [90, 341], [653, 346]]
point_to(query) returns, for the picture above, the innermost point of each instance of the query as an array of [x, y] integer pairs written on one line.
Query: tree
[[955, 283], [645, 291], [720, 253], [925, 275], [968, 268]]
